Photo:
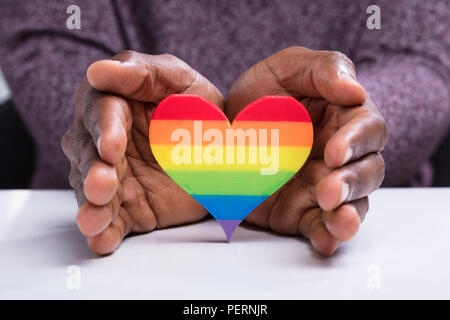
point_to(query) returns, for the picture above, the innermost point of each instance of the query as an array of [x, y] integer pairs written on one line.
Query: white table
[[401, 251]]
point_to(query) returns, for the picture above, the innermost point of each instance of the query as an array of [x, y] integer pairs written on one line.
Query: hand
[[327, 199], [119, 186]]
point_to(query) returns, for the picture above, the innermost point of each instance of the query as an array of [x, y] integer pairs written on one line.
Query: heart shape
[[230, 169]]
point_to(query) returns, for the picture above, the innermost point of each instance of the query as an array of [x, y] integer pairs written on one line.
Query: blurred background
[[16, 144]]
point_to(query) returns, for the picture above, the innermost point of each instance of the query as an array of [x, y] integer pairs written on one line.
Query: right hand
[[327, 200], [120, 188]]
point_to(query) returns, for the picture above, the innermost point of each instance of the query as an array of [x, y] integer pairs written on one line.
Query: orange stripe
[[290, 134]]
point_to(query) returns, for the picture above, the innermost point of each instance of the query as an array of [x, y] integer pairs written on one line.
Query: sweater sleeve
[[44, 62], [405, 67]]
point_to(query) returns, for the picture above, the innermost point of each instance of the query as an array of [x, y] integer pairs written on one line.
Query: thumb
[[149, 78], [299, 72]]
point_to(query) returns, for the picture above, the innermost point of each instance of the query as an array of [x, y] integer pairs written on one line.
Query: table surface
[[401, 251]]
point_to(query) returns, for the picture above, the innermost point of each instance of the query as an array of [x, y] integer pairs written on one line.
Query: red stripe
[[274, 108], [187, 107]]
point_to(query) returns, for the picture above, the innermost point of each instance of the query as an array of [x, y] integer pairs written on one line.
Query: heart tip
[[229, 226]]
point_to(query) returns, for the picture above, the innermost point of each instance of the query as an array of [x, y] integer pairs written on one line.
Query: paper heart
[[230, 169]]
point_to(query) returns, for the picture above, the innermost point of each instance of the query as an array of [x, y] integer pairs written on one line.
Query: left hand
[[119, 185], [328, 198]]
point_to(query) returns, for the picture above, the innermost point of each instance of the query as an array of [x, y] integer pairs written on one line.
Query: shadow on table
[[306, 256], [217, 236], [36, 261], [63, 247], [315, 258]]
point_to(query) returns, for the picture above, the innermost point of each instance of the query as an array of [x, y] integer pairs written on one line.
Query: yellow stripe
[[290, 158]]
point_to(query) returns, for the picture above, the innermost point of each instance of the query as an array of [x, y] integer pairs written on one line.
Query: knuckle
[[66, 142], [366, 204], [103, 102], [288, 56], [325, 55], [82, 95], [77, 186], [176, 63], [125, 55], [91, 109], [65, 145], [380, 161], [79, 139], [126, 52], [318, 170], [380, 167], [355, 179], [84, 100], [74, 176], [380, 127], [186, 75], [385, 130], [294, 50], [336, 57], [286, 65], [180, 65], [363, 208], [169, 57], [81, 89]]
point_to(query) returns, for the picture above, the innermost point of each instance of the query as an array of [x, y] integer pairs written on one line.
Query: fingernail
[[128, 64], [99, 141], [122, 64], [348, 155], [345, 191], [346, 76]]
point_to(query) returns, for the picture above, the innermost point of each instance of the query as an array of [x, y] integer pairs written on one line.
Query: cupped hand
[[119, 186], [328, 198]]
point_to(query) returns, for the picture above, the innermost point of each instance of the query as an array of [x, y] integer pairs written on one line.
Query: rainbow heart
[[230, 169]]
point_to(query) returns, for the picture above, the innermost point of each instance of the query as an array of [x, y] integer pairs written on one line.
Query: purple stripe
[[228, 227]]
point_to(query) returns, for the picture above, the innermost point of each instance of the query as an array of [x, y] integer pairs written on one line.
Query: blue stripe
[[227, 207]]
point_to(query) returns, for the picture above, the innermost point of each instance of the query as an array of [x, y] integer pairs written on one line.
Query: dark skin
[[120, 187]]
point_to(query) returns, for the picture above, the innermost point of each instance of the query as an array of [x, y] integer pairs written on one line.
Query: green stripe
[[229, 182]]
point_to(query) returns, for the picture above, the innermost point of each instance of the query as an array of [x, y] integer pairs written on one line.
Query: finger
[[108, 240], [327, 74], [343, 223], [353, 181], [282, 210], [92, 219], [108, 119], [299, 72], [75, 180], [76, 183], [333, 77], [74, 142], [100, 180], [364, 132], [149, 78], [66, 144], [312, 227]]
